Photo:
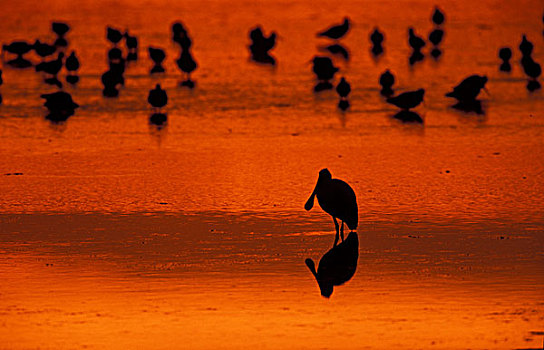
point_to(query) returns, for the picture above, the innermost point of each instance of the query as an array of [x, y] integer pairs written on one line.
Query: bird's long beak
[[311, 265], [310, 202]]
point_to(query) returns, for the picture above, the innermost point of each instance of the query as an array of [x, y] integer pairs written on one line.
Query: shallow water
[[121, 234]]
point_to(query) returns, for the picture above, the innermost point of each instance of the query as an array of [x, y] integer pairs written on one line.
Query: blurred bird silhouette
[[187, 65], [60, 105], [260, 45], [43, 49], [60, 28], [337, 199], [132, 46], [19, 48], [416, 42], [111, 79], [180, 35], [72, 65], [376, 37], [51, 67], [387, 79], [505, 53], [157, 56], [338, 49], [533, 70], [336, 31], [113, 35], [407, 100], [435, 37], [325, 70], [526, 47], [337, 266], [343, 89], [469, 88], [438, 17], [157, 97], [407, 116]]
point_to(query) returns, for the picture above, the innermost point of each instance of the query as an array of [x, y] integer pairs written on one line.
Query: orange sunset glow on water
[[246, 175]]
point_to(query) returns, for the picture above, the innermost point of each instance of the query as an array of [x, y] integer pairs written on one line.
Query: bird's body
[[43, 49], [157, 97], [526, 47], [60, 105], [408, 99], [387, 79], [324, 68], [337, 266], [469, 88], [51, 67], [337, 199], [186, 62], [130, 41], [72, 63], [113, 35], [157, 55], [18, 48], [60, 28], [438, 17], [343, 88], [435, 37], [415, 41], [531, 68], [376, 37], [336, 31]]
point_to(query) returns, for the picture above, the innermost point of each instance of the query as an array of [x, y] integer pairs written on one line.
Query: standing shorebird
[[337, 31], [337, 199], [157, 97]]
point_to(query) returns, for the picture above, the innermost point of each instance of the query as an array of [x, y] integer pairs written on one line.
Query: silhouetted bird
[[408, 99], [51, 67], [60, 105], [110, 80], [336, 31], [157, 97], [469, 88], [337, 49], [132, 46], [43, 49], [187, 65], [415, 41], [325, 70], [18, 48], [260, 45], [438, 16], [386, 81], [60, 29], [530, 67], [72, 63], [113, 35], [117, 63], [435, 37], [376, 37], [505, 53], [343, 88], [180, 35], [337, 199], [337, 266], [1, 80], [526, 47], [157, 56]]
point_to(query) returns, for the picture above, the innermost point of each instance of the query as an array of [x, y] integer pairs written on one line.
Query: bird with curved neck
[[337, 199]]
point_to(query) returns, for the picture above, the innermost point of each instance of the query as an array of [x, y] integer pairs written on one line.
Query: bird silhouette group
[[124, 49]]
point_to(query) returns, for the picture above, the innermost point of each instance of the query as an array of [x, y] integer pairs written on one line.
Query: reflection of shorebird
[[337, 266], [60, 105], [336, 31], [337, 199], [408, 99]]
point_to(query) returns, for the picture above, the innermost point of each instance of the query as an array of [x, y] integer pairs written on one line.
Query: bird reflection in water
[[337, 266]]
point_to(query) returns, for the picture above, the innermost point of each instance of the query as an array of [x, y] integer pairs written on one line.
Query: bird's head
[[325, 175]]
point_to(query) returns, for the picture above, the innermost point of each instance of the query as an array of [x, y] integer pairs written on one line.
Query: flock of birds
[[61, 106]]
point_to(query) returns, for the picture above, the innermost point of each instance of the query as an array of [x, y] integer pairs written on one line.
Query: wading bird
[[337, 199], [336, 31], [408, 99]]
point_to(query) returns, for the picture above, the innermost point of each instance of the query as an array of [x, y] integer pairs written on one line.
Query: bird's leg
[[336, 226], [342, 231]]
